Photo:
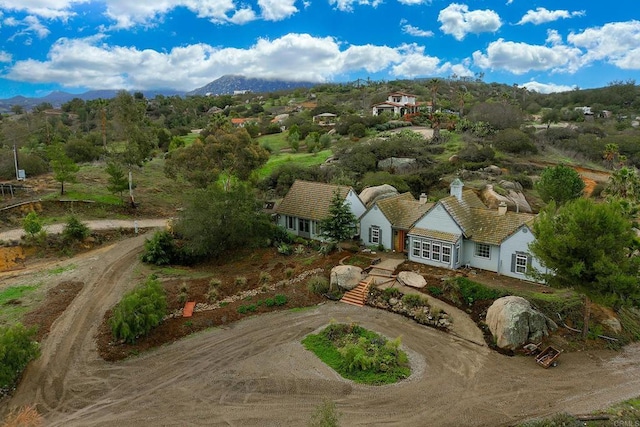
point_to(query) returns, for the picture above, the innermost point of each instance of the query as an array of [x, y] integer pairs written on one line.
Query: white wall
[[374, 217], [518, 242]]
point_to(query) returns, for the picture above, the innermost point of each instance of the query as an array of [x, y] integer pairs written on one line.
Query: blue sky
[[79, 45]]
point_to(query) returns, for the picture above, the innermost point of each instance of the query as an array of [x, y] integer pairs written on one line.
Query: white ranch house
[[397, 104]]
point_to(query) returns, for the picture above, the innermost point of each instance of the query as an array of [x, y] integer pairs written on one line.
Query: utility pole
[[15, 160]]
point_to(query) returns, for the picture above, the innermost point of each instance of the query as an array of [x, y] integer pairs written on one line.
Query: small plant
[[18, 348], [280, 299], [182, 297], [299, 250], [188, 323], [391, 293], [435, 291], [32, 224], [414, 300], [285, 249], [318, 285], [213, 295], [240, 281], [75, 230], [27, 416], [264, 277], [184, 287], [289, 272], [325, 415], [215, 283]]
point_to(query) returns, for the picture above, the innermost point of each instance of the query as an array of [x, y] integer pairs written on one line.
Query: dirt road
[[256, 372]]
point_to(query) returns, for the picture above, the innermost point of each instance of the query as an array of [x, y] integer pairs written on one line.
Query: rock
[[370, 194], [394, 301], [515, 200], [493, 170], [454, 159], [397, 164], [613, 324], [513, 322], [346, 276], [411, 279], [510, 185]]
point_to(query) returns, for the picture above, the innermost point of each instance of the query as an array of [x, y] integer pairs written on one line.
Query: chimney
[[502, 208], [423, 198], [456, 188]]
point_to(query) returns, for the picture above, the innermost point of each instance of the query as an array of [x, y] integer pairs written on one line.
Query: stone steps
[[358, 295]]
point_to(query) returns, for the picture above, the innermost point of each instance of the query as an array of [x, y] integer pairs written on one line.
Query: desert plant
[[182, 297], [213, 295], [240, 281], [318, 285], [264, 277], [139, 311], [414, 300], [27, 416], [285, 249], [17, 349], [289, 272], [215, 283], [184, 287]]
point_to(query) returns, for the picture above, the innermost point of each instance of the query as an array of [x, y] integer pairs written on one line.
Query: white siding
[[438, 219], [357, 207], [375, 218], [469, 257], [518, 242]]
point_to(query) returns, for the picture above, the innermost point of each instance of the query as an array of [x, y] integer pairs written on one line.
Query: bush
[[240, 281], [139, 311], [160, 249], [74, 229], [32, 224], [472, 291], [318, 285], [414, 300], [17, 349]]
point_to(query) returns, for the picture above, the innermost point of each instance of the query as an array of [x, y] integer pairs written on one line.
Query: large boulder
[[513, 322], [414, 280], [515, 200], [346, 277], [370, 194], [398, 164]]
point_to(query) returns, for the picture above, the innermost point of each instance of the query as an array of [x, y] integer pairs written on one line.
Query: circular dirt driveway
[[256, 372]]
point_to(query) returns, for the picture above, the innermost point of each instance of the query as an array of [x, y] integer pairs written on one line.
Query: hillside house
[[397, 104], [460, 231], [388, 221], [307, 203]]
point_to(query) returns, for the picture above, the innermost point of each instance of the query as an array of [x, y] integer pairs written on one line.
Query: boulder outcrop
[[346, 277], [513, 322], [411, 279]]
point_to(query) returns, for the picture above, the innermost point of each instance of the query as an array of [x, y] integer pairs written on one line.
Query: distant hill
[[230, 84], [57, 98]]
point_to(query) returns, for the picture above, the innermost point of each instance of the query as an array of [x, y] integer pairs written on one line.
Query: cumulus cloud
[[414, 2], [553, 37], [519, 58], [50, 9], [616, 42], [5, 56], [542, 15], [546, 87], [277, 10], [30, 25], [458, 21], [347, 5], [414, 31], [92, 63]]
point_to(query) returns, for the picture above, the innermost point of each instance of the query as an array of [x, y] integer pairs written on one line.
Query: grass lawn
[[302, 159], [275, 142], [13, 303], [189, 138]]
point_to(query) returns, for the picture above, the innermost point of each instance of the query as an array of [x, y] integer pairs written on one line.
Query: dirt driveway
[[256, 372]]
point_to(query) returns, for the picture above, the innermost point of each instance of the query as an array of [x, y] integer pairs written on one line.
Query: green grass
[[189, 138], [301, 159], [14, 303], [276, 141], [326, 349], [62, 269]]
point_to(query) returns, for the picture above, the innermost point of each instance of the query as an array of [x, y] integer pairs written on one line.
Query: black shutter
[[370, 234], [513, 263]]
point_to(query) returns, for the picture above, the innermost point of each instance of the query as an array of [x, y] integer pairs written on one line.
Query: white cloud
[[92, 63], [547, 87], [542, 15], [553, 37], [347, 5], [458, 21], [277, 10], [49, 9], [29, 25], [414, 31], [5, 56], [414, 2], [519, 58], [616, 42]]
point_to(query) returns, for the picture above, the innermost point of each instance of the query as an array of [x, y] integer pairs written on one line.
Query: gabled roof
[[402, 210], [390, 103], [402, 93], [481, 224], [310, 200]]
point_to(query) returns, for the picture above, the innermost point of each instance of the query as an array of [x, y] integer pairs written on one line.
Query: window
[[483, 250], [435, 251], [522, 260], [291, 223], [446, 254], [303, 225], [426, 250], [374, 236], [416, 248]]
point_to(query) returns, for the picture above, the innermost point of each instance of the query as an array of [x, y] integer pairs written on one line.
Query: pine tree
[[341, 222]]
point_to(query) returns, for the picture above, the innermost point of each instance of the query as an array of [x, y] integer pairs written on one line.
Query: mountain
[[57, 98], [228, 84]]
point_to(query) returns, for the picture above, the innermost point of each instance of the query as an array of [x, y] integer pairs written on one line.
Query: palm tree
[[610, 154], [434, 85]]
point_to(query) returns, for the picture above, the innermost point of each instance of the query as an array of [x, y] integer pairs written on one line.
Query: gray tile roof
[[403, 210], [310, 200]]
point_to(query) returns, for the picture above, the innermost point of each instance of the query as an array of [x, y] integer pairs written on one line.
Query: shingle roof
[[310, 200], [480, 223], [437, 235], [403, 210]]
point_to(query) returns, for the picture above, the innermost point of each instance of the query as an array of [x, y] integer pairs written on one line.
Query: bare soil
[[254, 371]]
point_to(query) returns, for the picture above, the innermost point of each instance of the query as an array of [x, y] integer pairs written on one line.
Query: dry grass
[[27, 416]]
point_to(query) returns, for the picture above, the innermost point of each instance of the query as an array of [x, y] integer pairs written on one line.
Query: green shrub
[[414, 300], [472, 291], [32, 224], [269, 302], [17, 349], [325, 415], [240, 281], [318, 285], [280, 299], [215, 283], [74, 229], [285, 249], [160, 249], [391, 293], [435, 291], [264, 277], [213, 295], [289, 272], [139, 311], [182, 297]]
